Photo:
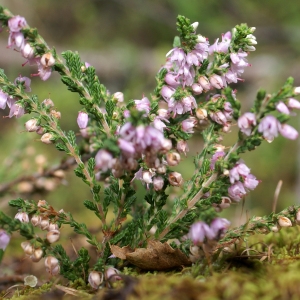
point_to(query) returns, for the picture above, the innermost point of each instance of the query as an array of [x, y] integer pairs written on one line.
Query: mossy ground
[[261, 267]]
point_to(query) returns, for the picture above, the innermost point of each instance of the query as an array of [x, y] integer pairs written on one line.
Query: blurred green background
[[127, 41]]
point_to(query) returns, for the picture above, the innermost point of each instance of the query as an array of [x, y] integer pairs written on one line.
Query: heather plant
[[120, 141]]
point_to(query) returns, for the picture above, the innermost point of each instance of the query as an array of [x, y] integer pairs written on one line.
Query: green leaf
[[17, 203], [91, 166], [90, 205]]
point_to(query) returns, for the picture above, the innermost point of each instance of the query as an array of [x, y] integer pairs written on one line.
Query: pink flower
[[4, 239], [16, 110], [182, 147], [188, 125], [222, 46], [268, 126], [16, 23], [199, 231], [16, 39], [104, 160], [3, 99], [237, 191], [293, 103], [172, 79], [26, 83], [158, 183], [240, 169], [143, 105], [82, 119], [167, 92], [219, 226], [22, 217], [250, 182], [215, 157], [217, 81], [245, 123], [187, 104], [282, 108], [288, 131]]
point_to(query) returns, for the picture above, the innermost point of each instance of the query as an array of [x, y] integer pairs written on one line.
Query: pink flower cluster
[[17, 41], [16, 110], [200, 231], [241, 181], [269, 126]]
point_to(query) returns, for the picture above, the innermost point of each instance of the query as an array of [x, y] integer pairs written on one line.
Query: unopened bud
[[297, 90], [158, 183], [47, 60], [44, 224], [53, 226], [167, 145], [53, 236], [42, 203], [82, 119], [27, 247], [201, 113], [4, 239], [48, 103], [225, 202], [161, 169], [201, 39], [284, 222], [55, 114], [27, 51], [204, 82], [37, 255], [36, 220], [119, 96], [197, 88], [95, 279], [173, 158], [59, 174], [22, 217], [195, 25], [175, 178], [275, 228], [31, 125], [110, 274], [147, 177], [52, 265], [216, 81], [40, 130], [47, 138]]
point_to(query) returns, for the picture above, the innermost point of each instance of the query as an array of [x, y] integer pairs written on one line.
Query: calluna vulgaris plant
[[124, 141]]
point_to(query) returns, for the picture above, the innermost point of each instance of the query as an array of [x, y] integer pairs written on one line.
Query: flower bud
[[110, 272], [204, 82], [175, 178], [225, 203], [4, 239], [173, 158], [216, 81], [53, 226], [195, 25], [48, 103], [27, 247], [119, 96], [147, 177], [22, 216], [42, 203], [275, 228], [40, 130], [197, 88], [31, 125], [284, 222], [158, 183], [36, 220], [44, 224], [37, 255], [201, 113], [161, 169], [55, 114], [52, 265], [167, 145], [47, 138], [47, 60], [27, 51], [53, 236], [95, 279], [201, 39], [182, 147], [82, 119]]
